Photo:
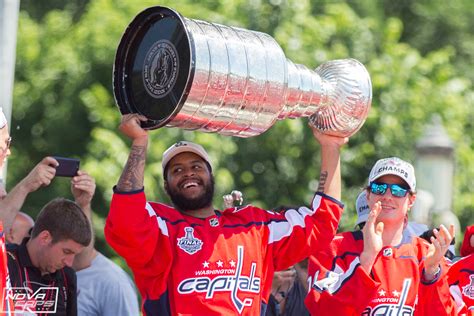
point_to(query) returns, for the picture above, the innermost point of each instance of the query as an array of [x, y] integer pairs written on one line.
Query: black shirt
[[294, 304], [58, 288]]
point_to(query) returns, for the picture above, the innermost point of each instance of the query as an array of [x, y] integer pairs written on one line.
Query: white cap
[[362, 208], [3, 119], [182, 147], [394, 166]]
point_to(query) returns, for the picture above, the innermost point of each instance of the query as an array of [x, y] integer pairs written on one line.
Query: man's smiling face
[[189, 182]]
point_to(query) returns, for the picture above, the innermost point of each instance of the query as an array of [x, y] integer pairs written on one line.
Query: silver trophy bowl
[[196, 75]]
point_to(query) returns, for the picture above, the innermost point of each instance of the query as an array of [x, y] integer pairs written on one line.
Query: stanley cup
[[196, 75]]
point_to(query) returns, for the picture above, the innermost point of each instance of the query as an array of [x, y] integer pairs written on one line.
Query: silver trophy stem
[[236, 82]]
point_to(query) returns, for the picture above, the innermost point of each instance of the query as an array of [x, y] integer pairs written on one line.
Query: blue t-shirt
[[105, 289]]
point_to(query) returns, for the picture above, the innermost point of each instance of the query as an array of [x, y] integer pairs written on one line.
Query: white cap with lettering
[[394, 166], [362, 208]]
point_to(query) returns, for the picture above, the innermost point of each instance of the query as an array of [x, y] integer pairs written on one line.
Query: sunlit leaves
[[63, 100]]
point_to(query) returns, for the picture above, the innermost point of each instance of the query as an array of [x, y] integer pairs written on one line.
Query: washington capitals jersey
[[461, 284], [395, 286], [219, 265]]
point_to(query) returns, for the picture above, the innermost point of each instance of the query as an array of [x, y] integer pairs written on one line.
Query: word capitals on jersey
[[392, 306], [226, 283]]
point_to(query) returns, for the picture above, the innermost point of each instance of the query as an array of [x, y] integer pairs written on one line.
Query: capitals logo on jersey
[[392, 306], [468, 290], [232, 283], [189, 243]]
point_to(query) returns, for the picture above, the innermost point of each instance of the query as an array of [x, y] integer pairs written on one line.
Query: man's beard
[[185, 204]]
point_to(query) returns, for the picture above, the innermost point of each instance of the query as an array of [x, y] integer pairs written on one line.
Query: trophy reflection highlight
[[196, 75]]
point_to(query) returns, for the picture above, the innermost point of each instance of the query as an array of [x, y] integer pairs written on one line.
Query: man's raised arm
[[41, 175], [330, 175], [133, 172]]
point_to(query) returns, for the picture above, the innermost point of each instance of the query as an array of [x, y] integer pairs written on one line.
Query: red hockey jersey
[[461, 284], [220, 265], [340, 286]]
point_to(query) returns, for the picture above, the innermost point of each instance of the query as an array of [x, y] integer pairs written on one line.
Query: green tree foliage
[[430, 25], [64, 105]]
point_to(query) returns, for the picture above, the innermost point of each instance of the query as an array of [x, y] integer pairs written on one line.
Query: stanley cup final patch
[[468, 290], [189, 243], [160, 69]]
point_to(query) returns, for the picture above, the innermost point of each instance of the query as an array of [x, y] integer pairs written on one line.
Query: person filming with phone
[[40, 176]]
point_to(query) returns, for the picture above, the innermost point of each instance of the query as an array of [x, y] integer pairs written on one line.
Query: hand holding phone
[[67, 167]]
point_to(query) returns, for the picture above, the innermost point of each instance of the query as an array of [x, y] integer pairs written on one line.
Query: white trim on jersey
[[456, 293], [334, 279], [280, 230], [161, 223]]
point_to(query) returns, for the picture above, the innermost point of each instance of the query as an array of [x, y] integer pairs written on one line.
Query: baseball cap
[[394, 166], [182, 147], [3, 119], [362, 208]]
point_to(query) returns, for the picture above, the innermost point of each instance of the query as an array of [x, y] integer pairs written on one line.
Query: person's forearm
[[87, 210], [367, 261], [12, 203], [430, 273], [330, 175], [133, 173]]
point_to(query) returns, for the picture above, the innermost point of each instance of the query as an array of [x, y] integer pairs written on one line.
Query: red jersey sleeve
[[135, 231], [461, 285], [294, 232], [338, 283], [434, 298]]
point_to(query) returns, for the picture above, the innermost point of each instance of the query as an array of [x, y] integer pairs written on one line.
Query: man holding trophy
[[190, 258], [194, 259]]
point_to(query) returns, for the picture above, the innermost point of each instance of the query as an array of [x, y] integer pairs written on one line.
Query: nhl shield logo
[[189, 243], [387, 252], [214, 222]]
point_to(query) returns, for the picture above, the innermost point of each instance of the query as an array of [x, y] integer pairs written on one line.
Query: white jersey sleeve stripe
[[317, 201], [457, 296], [334, 279], [280, 230], [161, 223]]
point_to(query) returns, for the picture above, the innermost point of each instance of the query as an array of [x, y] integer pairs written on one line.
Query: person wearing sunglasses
[[379, 270]]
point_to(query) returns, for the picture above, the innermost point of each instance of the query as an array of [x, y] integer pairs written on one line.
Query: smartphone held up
[[67, 167]]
